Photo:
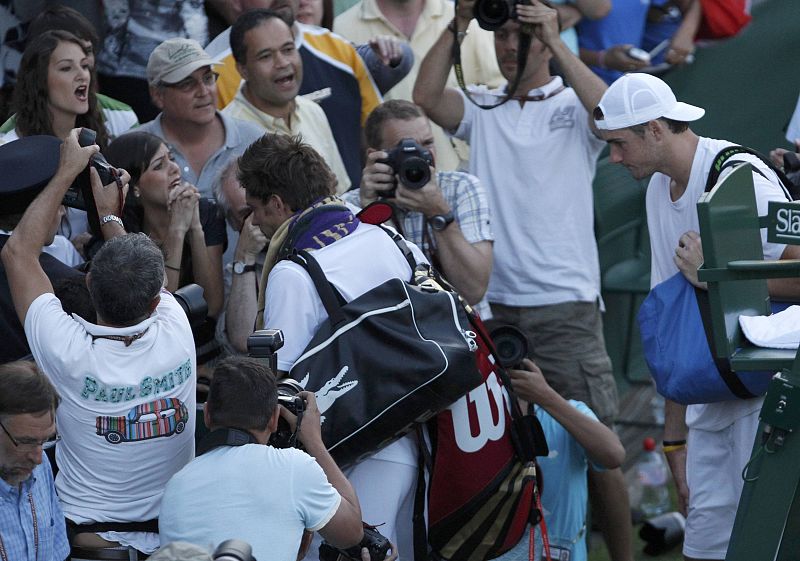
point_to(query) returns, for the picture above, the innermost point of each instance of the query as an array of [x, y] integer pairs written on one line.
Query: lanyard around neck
[[4, 553]]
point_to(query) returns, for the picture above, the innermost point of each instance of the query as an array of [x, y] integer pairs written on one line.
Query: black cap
[[26, 166]]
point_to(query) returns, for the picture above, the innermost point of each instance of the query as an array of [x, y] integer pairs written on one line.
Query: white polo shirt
[[537, 163]]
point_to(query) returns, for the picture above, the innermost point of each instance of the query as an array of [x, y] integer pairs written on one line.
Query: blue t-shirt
[[663, 26], [624, 24], [263, 495], [565, 492]]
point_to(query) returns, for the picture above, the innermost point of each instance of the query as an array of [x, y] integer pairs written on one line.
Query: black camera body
[[492, 14], [376, 543], [284, 437], [193, 303], [509, 342], [264, 344], [411, 162], [80, 195]]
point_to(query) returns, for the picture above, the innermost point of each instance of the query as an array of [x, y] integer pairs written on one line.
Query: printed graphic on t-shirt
[[163, 417], [96, 391], [563, 118]]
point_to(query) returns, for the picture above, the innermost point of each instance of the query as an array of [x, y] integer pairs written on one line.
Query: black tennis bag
[[395, 356]]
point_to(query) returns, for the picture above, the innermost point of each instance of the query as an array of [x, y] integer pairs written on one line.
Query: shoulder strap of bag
[[331, 298], [735, 385], [722, 161], [401, 244]]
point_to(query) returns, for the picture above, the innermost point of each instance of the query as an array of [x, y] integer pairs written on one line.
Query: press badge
[[559, 553]]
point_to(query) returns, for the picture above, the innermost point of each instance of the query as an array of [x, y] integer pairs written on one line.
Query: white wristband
[[111, 218]]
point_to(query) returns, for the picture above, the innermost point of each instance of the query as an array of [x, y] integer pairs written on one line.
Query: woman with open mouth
[[53, 93]]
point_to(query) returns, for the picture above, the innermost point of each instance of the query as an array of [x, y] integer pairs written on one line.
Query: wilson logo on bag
[[480, 493]]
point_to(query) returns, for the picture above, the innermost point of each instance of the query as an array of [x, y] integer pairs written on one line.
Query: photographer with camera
[[127, 382], [30, 163], [536, 156], [446, 214], [264, 495]]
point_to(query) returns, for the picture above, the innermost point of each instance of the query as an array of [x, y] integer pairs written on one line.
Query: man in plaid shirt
[[448, 218]]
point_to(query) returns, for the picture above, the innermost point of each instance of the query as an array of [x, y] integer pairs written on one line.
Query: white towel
[[778, 331]]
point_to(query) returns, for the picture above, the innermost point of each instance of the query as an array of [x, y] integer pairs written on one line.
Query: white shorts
[[385, 484], [714, 464]]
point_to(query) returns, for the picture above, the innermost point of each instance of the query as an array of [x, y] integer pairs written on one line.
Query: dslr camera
[[264, 344], [509, 342], [79, 195], [492, 14], [193, 303], [285, 437], [411, 162], [375, 542]]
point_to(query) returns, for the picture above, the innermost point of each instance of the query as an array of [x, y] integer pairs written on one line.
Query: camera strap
[[224, 437], [294, 438], [522, 60]]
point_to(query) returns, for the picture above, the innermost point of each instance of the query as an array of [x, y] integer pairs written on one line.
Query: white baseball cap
[[637, 98], [175, 59]]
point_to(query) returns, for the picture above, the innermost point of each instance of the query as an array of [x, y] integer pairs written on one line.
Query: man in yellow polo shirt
[[267, 59], [334, 76]]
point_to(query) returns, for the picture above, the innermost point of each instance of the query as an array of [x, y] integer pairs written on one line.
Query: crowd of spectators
[[237, 132]]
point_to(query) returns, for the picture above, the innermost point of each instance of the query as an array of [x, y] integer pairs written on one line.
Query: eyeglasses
[[27, 444], [190, 84]]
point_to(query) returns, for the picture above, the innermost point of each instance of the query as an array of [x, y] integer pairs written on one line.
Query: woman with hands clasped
[[189, 229]]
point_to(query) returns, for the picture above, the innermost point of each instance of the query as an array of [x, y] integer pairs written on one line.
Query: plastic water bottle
[[651, 472]]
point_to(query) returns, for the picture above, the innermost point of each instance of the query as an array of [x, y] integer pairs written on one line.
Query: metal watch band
[[111, 218]]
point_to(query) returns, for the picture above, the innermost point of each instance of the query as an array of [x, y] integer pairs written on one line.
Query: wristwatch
[[239, 268], [441, 221]]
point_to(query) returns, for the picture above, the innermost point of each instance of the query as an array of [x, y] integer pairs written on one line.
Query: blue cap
[[26, 166]]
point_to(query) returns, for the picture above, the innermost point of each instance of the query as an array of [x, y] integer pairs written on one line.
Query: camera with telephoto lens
[[80, 195], [492, 14], [233, 550], [376, 543], [192, 302], [264, 344], [509, 342], [411, 162]]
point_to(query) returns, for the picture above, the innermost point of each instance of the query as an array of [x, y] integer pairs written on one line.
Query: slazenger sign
[[784, 222]]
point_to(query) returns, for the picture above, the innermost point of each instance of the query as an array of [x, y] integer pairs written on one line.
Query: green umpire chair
[[624, 250], [767, 523]]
